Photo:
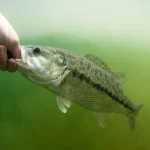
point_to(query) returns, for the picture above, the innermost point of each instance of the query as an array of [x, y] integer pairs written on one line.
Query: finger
[[11, 65], [3, 58], [13, 43], [16, 52]]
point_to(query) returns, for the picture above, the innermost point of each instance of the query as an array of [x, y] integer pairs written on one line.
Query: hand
[[9, 44]]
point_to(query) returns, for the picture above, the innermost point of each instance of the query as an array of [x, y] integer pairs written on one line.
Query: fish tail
[[132, 117]]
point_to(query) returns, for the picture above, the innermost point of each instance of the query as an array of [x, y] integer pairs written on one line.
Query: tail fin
[[132, 117]]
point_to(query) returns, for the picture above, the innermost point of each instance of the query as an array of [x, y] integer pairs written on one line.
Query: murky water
[[116, 31], [31, 120]]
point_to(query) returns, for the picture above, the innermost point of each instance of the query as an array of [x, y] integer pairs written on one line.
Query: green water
[[31, 120]]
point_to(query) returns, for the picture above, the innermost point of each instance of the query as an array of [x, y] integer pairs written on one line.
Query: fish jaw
[[22, 67], [22, 63]]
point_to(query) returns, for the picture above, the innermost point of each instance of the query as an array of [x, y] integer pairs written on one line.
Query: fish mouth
[[22, 63]]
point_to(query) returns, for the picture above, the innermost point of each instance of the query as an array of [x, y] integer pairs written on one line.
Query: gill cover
[[42, 65]]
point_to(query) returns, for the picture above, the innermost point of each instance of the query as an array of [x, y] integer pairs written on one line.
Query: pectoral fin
[[63, 104]]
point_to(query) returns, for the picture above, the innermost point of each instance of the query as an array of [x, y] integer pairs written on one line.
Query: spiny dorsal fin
[[120, 77], [63, 104], [98, 61]]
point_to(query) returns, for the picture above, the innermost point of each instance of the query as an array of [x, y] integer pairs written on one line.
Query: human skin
[[9, 46]]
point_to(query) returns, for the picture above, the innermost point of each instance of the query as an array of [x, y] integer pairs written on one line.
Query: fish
[[85, 80]]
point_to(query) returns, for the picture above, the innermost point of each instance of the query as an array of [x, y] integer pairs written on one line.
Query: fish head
[[41, 65]]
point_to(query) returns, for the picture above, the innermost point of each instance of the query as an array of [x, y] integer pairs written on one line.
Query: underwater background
[[116, 31]]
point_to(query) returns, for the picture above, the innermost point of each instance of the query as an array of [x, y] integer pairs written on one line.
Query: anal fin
[[101, 120]]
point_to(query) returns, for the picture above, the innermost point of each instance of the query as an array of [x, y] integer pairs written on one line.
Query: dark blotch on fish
[[82, 77]]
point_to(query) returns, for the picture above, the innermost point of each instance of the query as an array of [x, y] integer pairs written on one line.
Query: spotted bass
[[73, 78]]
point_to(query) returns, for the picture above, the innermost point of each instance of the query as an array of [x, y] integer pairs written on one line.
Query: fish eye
[[36, 51]]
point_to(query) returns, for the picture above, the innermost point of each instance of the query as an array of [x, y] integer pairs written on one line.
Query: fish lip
[[23, 54], [22, 63], [22, 66], [19, 60]]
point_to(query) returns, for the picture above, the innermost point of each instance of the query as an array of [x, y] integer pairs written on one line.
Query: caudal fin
[[132, 117]]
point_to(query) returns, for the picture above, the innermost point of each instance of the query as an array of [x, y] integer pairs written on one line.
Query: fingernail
[[2, 51]]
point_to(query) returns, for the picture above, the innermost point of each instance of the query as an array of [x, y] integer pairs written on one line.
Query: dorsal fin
[[98, 61], [120, 77]]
